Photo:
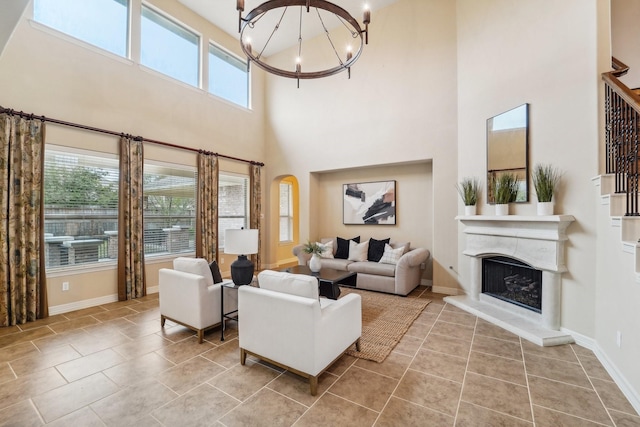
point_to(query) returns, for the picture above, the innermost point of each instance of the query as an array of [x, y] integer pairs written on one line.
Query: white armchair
[[285, 323], [189, 297]]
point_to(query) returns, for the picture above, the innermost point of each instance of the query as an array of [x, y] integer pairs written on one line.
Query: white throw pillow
[[328, 249], [358, 251], [197, 266], [390, 255], [287, 283]]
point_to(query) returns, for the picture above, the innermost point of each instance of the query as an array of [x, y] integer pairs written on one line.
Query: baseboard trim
[[87, 303], [445, 290]]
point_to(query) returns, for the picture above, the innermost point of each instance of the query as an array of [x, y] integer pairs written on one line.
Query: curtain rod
[[110, 132]]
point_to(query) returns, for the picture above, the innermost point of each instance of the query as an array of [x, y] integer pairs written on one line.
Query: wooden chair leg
[[200, 335], [243, 356], [162, 320], [313, 384], [358, 344]]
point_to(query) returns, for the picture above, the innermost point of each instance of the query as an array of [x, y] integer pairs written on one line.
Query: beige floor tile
[[266, 408], [39, 361], [64, 400], [594, 368], [138, 369], [470, 415], [342, 364], [22, 414], [612, 397], [141, 329], [119, 304], [463, 319], [189, 374], [243, 381], [393, 366], [402, 413], [487, 329], [84, 312], [556, 369], [183, 350], [8, 330], [331, 410], [145, 316], [408, 345], [174, 333], [549, 418], [432, 392], [581, 351], [201, 406], [141, 346], [560, 352], [6, 373], [427, 318], [132, 404], [453, 330], [84, 417], [447, 345], [26, 336], [440, 365], [497, 347], [56, 340], [113, 314], [146, 306], [365, 388], [43, 322], [88, 365], [72, 324], [226, 354], [570, 399], [497, 395], [624, 420], [23, 388], [497, 367], [435, 307], [92, 342], [17, 351], [419, 330], [297, 388]]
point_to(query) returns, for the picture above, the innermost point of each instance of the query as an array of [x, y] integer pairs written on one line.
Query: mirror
[[507, 149]]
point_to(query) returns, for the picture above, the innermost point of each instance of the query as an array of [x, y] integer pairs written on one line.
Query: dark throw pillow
[[215, 272], [376, 249], [342, 252]]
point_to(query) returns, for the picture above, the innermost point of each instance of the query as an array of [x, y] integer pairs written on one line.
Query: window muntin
[[286, 212], [169, 48], [102, 23], [169, 208], [233, 204], [80, 208], [228, 76]]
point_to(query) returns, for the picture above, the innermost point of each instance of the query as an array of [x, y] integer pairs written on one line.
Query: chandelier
[[264, 27]]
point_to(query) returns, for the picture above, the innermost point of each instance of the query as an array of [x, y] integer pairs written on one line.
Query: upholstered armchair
[[189, 297], [284, 322]]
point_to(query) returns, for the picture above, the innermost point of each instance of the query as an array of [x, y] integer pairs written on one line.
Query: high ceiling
[[223, 14]]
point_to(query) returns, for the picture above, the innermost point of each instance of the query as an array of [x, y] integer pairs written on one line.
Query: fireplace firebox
[[513, 281]]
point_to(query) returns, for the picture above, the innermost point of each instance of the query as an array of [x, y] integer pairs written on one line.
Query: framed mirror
[[508, 148]]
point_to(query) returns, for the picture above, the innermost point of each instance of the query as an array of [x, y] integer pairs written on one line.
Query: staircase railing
[[622, 129]]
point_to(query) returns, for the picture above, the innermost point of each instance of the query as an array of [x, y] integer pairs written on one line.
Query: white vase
[[315, 264], [469, 210], [502, 209], [545, 208]]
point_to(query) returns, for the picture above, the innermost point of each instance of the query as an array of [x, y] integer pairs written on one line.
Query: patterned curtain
[[207, 209], [131, 280], [255, 204], [23, 288]]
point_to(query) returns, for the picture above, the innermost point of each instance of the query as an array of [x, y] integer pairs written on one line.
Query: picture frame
[[369, 203]]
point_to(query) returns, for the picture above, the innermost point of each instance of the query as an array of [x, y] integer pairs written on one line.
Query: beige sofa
[[399, 279]]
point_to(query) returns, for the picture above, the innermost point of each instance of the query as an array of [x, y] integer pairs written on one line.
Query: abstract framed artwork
[[369, 203]]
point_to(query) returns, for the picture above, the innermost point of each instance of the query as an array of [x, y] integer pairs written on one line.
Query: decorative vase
[[470, 210], [545, 208], [502, 209], [315, 264]]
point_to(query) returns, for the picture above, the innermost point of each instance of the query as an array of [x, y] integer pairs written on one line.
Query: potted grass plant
[[545, 180], [469, 190], [315, 249], [505, 190]]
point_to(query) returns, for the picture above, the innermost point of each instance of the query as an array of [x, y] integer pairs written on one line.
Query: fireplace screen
[[511, 280]]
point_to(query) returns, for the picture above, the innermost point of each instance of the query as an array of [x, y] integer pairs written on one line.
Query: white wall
[[625, 37], [398, 108]]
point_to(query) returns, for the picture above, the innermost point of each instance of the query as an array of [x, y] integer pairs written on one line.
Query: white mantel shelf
[[536, 240]]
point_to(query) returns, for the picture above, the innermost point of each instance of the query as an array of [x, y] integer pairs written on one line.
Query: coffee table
[[328, 279]]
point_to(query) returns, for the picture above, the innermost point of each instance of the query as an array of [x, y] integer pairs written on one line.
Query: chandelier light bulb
[[349, 53], [247, 44], [367, 15]]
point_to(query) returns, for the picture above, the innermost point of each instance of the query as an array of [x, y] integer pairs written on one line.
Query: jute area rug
[[385, 320]]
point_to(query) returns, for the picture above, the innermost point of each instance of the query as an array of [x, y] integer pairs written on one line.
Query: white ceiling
[[223, 14]]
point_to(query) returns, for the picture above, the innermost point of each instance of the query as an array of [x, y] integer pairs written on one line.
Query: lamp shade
[[241, 242]]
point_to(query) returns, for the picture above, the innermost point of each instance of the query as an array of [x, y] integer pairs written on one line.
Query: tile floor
[[114, 365]]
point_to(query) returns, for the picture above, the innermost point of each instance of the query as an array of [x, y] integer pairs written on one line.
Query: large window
[[228, 76], [103, 23], [169, 208], [81, 207], [233, 204], [169, 48], [286, 212]]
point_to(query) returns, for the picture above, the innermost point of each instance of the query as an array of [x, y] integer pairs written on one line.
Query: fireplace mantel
[[536, 240]]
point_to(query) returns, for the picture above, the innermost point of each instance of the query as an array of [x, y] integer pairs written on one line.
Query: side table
[[232, 315]]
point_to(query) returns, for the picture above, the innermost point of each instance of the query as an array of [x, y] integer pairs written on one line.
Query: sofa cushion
[[391, 255], [358, 251], [405, 245], [376, 268], [215, 272], [327, 249], [342, 251], [293, 284], [376, 249], [335, 263], [197, 266]]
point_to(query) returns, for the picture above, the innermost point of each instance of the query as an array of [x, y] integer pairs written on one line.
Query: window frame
[[244, 62], [247, 204], [289, 214]]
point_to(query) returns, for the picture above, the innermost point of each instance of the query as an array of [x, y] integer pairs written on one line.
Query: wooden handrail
[[611, 77], [619, 67]]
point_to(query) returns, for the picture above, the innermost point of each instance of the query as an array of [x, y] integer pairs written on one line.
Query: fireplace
[[513, 281], [515, 274]]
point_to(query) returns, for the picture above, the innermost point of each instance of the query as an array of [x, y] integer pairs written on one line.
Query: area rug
[[385, 320]]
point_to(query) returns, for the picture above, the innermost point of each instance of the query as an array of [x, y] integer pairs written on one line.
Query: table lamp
[[242, 243]]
